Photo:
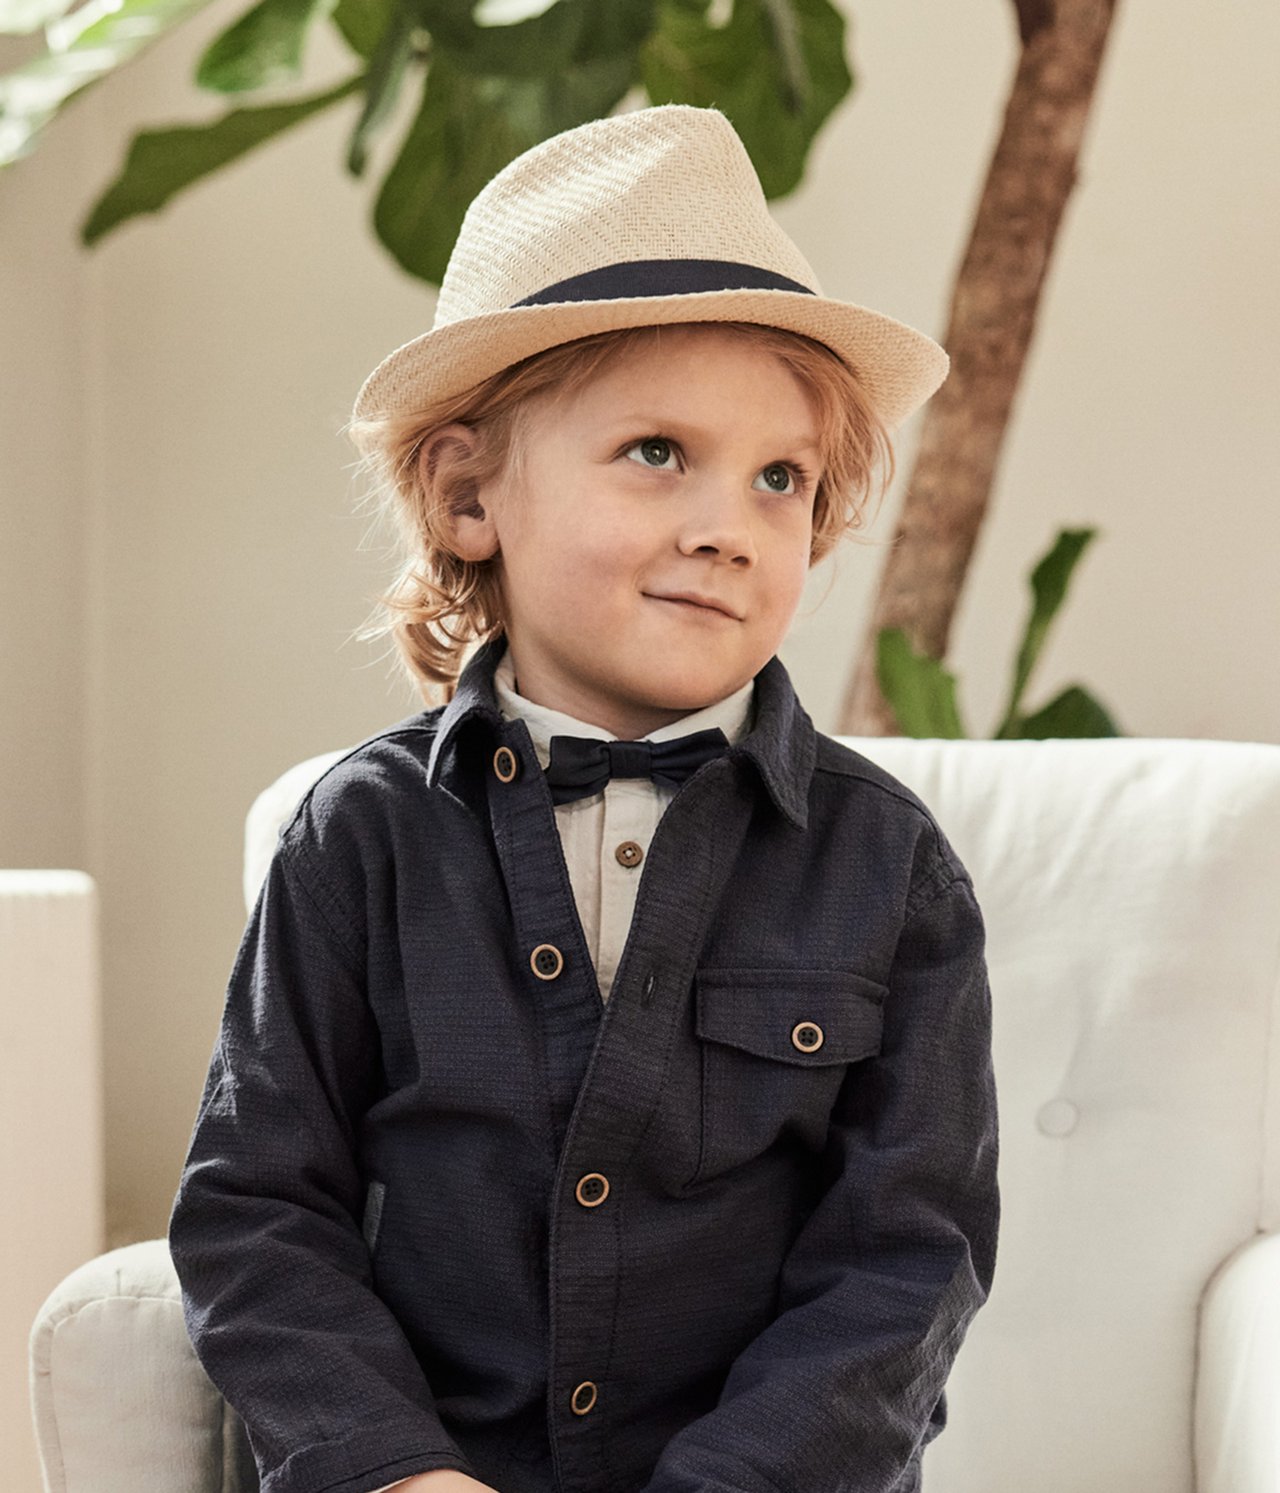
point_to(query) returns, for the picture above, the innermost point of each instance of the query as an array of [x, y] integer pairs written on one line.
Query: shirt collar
[[732, 715], [781, 742]]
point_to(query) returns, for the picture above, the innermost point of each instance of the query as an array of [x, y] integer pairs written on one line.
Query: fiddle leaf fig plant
[[922, 692], [493, 77]]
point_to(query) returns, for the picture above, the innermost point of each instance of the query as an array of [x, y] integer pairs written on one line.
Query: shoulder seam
[[915, 803], [400, 728], [295, 851], [938, 893], [893, 790], [946, 870]]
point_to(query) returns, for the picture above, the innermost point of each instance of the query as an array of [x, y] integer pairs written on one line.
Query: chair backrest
[[1129, 887], [1129, 892]]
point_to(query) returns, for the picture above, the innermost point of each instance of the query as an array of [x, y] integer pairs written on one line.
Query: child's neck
[[628, 720], [627, 724]]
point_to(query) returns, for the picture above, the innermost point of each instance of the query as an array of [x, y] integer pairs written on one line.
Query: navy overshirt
[[723, 1234]]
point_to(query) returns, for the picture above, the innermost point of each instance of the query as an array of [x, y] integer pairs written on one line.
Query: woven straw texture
[[662, 183]]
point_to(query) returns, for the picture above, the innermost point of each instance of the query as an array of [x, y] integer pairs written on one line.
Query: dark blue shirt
[[444, 1208]]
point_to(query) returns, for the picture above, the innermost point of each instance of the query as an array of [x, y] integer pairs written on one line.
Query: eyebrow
[[656, 421]]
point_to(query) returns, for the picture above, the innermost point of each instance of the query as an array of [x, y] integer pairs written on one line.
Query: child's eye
[[655, 451], [776, 477]]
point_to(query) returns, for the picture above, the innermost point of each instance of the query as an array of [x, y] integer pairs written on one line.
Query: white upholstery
[[120, 1401], [1132, 1339], [51, 1163], [1130, 889], [1237, 1415]]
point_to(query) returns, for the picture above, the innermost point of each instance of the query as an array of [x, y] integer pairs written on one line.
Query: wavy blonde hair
[[439, 603]]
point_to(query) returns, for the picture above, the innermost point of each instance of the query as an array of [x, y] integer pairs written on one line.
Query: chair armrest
[[120, 1401], [1237, 1449]]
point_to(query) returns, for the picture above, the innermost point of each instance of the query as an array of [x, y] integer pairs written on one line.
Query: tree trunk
[[993, 312]]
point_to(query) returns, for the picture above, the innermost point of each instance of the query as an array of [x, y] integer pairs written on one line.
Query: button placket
[[547, 933], [631, 812], [655, 970]]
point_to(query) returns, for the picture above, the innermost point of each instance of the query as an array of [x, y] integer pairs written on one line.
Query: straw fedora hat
[[647, 217]]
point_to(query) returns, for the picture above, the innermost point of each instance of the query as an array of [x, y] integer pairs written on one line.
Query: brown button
[[584, 1397], [592, 1189], [506, 764], [629, 853], [807, 1036], [546, 961]]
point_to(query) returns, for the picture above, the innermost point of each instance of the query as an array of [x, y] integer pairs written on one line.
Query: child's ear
[[444, 460]]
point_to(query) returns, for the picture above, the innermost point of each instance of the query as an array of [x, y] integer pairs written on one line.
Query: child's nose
[[718, 519]]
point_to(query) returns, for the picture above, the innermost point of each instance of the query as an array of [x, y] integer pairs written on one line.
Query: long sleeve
[[266, 1231], [845, 1386]]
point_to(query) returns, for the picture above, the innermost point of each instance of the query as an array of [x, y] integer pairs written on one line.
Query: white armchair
[[51, 1154], [1131, 891]]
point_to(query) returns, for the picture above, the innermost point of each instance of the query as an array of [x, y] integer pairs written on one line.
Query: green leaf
[[21, 17], [1074, 713], [382, 84], [797, 86], [441, 165], [466, 130], [262, 48], [777, 70], [83, 48], [572, 33], [161, 163], [1049, 581], [363, 23], [921, 692]]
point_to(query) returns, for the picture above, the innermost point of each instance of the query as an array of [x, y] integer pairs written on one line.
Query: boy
[[603, 1101]]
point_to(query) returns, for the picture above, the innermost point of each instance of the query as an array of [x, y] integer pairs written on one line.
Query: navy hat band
[[654, 277]]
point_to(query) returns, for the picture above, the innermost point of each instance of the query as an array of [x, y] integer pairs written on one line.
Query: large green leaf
[[387, 66], [572, 33], [1049, 582], [1073, 713], [262, 48], [920, 691], [776, 69], [363, 23], [467, 129], [161, 163], [83, 48]]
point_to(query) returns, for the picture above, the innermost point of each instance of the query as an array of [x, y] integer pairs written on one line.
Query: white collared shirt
[[624, 813]]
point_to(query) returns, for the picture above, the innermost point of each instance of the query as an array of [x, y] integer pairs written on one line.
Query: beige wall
[[180, 561]]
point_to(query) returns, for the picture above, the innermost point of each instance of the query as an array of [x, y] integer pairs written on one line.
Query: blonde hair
[[439, 603]]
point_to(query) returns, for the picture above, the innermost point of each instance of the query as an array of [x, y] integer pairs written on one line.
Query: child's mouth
[[694, 606]]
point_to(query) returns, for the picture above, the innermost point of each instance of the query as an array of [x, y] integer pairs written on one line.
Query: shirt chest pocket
[[775, 1046]]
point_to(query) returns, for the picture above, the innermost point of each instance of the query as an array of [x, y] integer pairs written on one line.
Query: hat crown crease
[[671, 182]]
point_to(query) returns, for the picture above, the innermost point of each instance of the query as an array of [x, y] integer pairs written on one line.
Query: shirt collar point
[[473, 697]]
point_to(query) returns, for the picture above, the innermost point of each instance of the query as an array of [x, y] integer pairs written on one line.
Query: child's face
[[678, 469]]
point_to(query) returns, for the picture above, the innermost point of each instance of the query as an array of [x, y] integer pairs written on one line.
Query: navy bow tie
[[581, 765]]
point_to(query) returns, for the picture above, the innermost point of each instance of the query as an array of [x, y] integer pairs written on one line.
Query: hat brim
[[899, 366]]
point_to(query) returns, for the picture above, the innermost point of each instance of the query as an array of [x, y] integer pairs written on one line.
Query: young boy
[[603, 1100]]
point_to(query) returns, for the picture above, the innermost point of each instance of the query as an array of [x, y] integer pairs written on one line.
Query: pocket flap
[[758, 1010]]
